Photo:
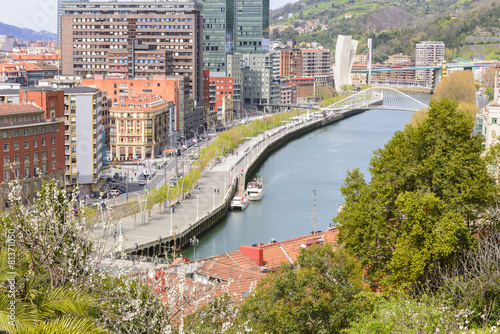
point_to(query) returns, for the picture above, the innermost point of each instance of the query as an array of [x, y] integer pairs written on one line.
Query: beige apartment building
[[139, 127]]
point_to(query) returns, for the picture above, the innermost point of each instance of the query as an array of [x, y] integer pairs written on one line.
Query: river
[[316, 161]]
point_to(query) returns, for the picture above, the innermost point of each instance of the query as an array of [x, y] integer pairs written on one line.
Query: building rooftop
[[9, 91], [236, 273], [80, 90], [7, 109]]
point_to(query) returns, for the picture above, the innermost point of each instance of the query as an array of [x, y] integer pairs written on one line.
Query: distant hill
[[468, 28], [26, 34]]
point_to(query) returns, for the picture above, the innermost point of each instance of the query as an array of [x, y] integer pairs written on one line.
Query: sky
[[42, 14]]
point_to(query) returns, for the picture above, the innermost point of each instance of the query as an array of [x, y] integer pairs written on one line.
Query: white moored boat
[[239, 203], [254, 190]]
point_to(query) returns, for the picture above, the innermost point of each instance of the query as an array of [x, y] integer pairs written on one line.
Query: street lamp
[[194, 241], [213, 199], [142, 214]]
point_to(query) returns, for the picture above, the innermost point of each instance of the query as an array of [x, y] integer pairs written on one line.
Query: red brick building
[[218, 95], [32, 149], [50, 100]]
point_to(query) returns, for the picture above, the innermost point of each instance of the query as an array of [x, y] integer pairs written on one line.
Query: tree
[[316, 297], [435, 163], [458, 86]]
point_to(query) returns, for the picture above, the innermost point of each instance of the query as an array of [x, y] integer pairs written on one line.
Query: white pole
[[171, 223]]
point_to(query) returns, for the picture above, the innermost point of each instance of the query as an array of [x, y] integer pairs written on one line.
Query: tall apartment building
[[315, 62], [140, 127], [83, 137], [134, 38], [32, 150], [251, 26], [427, 53], [254, 74], [291, 63], [60, 12]]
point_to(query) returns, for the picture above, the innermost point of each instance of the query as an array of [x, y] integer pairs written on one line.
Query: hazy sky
[[42, 14]]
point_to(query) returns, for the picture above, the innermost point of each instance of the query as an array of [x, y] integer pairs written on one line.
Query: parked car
[[111, 179], [122, 189], [114, 192], [141, 182]]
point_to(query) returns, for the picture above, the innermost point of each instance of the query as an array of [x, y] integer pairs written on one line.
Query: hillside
[[26, 34], [468, 28]]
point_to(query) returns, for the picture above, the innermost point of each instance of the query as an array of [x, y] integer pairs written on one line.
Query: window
[[5, 134], [5, 160], [16, 158], [26, 156], [5, 176], [26, 172], [53, 152], [53, 140], [35, 142], [44, 141], [6, 147], [53, 165], [493, 121], [16, 146], [26, 144], [35, 155], [44, 154]]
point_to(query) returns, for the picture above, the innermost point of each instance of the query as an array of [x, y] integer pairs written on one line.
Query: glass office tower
[[218, 33], [251, 26]]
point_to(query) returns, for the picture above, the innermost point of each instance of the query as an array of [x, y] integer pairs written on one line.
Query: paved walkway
[[200, 203]]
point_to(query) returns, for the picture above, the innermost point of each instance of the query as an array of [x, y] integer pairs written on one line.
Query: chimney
[[256, 254]]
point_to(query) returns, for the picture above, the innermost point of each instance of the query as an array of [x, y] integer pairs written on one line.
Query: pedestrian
[[217, 190], [173, 209]]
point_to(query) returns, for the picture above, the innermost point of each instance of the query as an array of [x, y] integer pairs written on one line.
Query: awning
[[170, 150]]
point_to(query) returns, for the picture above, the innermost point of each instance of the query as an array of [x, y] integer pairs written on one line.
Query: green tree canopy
[[318, 297], [427, 186]]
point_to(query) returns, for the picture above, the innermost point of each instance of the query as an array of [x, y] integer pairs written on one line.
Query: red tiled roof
[[6, 109]]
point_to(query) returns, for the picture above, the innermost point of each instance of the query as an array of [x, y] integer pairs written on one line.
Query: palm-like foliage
[[39, 309]]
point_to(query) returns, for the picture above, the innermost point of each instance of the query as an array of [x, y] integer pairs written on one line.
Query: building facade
[[83, 137], [141, 127], [218, 18], [291, 63], [427, 53], [32, 150], [254, 74], [251, 26], [218, 95], [315, 62], [135, 39]]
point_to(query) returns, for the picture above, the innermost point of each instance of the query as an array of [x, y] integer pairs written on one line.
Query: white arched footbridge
[[376, 98]]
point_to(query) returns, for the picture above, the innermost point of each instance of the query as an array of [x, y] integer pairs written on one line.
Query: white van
[[114, 192]]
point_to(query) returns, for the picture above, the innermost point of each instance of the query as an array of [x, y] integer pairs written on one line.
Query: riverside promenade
[[162, 230]]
